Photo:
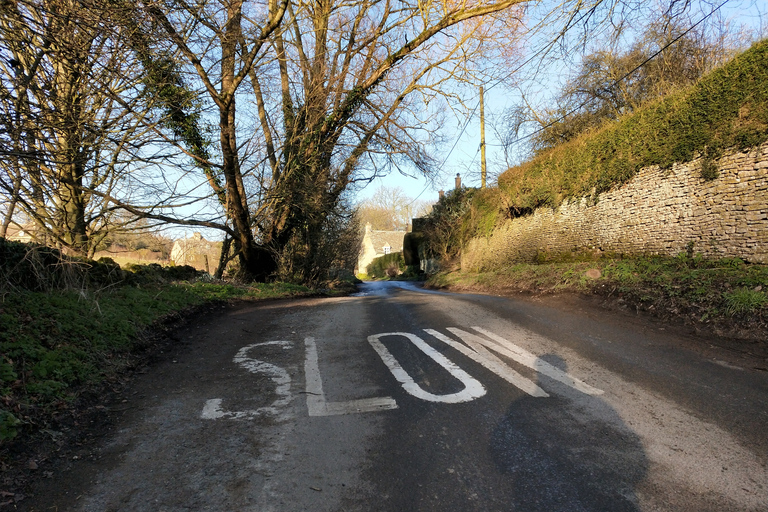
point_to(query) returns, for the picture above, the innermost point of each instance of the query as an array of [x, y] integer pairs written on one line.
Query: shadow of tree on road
[[568, 452]]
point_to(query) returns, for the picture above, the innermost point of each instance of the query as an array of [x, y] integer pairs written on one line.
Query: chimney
[[458, 180], [441, 194]]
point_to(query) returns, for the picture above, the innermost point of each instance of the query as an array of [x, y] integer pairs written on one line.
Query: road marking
[[316, 403], [480, 354], [522, 356], [213, 409], [474, 347], [472, 388]]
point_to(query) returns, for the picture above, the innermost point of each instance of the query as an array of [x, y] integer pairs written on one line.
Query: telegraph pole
[[482, 139]]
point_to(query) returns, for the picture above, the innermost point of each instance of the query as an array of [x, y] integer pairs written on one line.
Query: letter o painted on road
[[472, 388]]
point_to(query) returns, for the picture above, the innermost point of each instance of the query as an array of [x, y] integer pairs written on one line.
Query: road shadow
[[568, 452]]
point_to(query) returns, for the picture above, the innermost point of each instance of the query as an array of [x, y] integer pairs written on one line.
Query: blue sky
[[464, 158]]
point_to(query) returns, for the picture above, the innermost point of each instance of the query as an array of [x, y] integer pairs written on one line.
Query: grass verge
[[70, 326], [726, 296], [54, 346]]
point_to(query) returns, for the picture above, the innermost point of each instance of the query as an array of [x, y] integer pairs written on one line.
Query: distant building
[[18, 233], [197, 252], [378, 243]]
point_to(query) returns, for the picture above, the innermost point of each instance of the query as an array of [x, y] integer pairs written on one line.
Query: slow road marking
[[484, 350]]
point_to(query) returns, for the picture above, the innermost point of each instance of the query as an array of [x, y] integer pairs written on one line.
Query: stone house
[[378, 243], [19, 233], [197, 252]]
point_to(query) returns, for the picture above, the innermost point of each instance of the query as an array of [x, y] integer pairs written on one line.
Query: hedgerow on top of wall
[[728, 108]]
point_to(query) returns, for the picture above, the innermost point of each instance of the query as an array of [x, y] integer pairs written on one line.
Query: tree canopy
[[254, 117], [670, 53]]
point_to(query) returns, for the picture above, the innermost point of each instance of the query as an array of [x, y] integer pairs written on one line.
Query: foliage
[[334, 248], [727, 108], [744, 300], [725, 293], [444, 229], [8, 425], [156, 273], [709, 169], [388, 266], [74, 328]]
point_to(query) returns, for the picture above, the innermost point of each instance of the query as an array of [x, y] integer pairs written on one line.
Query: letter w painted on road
[[477, 350]]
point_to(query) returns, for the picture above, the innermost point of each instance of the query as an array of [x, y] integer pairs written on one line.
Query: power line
[[618, 80], [534, 56]]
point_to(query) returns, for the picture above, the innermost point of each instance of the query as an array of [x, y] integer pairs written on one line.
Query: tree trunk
[[256, 263], [223, 257], [11, 204]]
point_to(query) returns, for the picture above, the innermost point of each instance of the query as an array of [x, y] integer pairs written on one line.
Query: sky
[[461, 151], [464, 157], [462, 154]]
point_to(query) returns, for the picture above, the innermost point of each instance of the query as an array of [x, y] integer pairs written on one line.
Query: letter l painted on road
[[316, 403]]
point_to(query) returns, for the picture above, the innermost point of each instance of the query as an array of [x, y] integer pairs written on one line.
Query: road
[[400, 399]]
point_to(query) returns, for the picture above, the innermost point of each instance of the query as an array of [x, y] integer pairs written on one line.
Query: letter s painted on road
[[279, 376]]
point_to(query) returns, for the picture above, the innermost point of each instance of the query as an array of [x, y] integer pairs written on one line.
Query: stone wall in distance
[[660, 211]]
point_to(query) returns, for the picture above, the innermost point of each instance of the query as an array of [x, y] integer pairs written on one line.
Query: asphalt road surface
[[399, 399]]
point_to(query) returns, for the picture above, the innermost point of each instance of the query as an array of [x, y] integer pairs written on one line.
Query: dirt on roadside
[[75, 432]]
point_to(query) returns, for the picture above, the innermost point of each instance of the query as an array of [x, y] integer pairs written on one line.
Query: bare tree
[[334, 85], [390, 209], [356, 80], [220, 42], [76, 119]]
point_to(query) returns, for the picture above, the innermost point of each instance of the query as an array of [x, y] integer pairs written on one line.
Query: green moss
[[727, 109]]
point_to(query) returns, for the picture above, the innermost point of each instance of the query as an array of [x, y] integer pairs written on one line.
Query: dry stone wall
[[660, 211]]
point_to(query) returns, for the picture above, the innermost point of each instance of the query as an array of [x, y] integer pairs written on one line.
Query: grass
[[69, 326], [745, 301], [723, 293], [55, 345]]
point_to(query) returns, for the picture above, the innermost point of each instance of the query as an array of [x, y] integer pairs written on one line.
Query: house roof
[[393, 239]]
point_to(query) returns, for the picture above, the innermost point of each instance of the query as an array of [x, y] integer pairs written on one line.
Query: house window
[[386, 249]]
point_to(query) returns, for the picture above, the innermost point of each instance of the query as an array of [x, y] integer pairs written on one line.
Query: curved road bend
[[399, 399]]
